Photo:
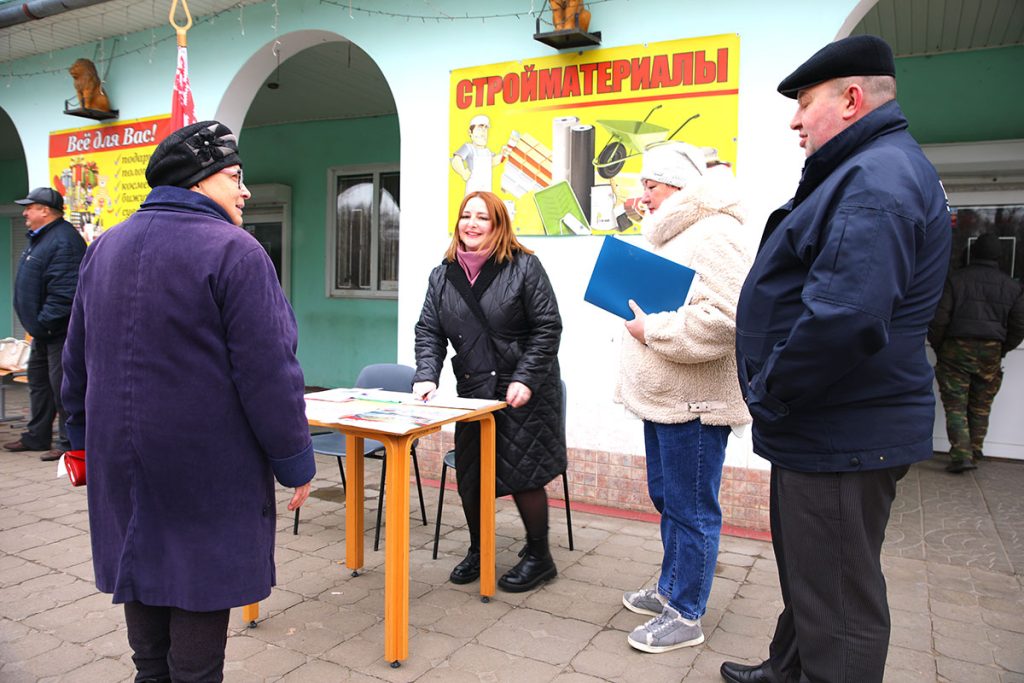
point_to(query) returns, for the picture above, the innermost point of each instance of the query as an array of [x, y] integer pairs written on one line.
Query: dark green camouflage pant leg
[[969, 375]]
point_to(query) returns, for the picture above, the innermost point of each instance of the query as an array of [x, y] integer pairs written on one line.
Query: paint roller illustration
[[528, 167]]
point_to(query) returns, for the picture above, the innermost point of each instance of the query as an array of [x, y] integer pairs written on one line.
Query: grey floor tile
[[953, 560]]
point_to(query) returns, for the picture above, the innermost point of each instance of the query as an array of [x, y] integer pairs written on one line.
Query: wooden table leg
[[354, 496], [250, 613], [487, 477], [396, 550]]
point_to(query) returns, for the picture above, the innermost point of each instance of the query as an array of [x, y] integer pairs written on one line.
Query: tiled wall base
[[617, 480]]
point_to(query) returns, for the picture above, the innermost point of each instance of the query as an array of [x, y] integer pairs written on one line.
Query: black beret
[[853, 56], [192, 153]]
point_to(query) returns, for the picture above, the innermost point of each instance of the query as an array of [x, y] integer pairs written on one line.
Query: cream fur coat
[[687, 368]]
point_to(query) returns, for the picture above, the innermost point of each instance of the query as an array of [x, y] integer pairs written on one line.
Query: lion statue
[[565, 12], [87, 86]]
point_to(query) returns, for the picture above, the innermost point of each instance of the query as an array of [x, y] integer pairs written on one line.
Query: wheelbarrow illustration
[[630, 139]]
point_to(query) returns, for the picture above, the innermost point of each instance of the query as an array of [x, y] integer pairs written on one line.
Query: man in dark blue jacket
[[43, 292], [831, 328]]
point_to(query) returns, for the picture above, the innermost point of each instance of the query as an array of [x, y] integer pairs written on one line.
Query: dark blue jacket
[[47, 278], [832, 318], [181, 382]]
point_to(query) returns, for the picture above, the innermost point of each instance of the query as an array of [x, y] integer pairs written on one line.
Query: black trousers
[[827, 532], [44, 379], [176, 645]]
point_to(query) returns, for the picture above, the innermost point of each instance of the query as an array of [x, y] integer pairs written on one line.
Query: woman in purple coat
[[181, 383]]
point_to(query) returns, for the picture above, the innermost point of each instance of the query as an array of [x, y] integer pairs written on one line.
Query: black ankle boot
[[535, 567], [467, 570]]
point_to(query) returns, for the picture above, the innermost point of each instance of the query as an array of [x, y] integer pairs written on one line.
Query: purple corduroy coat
[[181, 382]]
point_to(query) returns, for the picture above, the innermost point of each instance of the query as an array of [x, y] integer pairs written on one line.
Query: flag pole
[[183, 110], [182, 30]]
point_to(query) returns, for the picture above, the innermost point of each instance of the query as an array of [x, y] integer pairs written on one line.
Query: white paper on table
[[334, 394], [448, 401]]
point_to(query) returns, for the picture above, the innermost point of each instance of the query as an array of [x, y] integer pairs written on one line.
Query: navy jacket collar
[[170, 198], [34, 234], [886, 119]]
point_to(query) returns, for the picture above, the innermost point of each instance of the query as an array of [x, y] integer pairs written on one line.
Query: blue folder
[[625, 272]]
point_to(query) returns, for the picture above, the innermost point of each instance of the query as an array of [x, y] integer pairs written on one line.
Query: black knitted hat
[[853, 56], [986, 247], [192, 153]]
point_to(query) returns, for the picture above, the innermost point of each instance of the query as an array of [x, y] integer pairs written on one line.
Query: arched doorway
[[318, 131], [13, 185]]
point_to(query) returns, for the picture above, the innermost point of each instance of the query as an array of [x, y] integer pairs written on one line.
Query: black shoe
[[742, 673], [467, 570], [960, 466], [531, 571], [978, 456], [50, 456]]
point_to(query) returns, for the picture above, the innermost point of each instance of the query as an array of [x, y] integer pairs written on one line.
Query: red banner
[[109, 138], [183, 107]]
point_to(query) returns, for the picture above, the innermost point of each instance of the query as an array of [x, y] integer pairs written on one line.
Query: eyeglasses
[[235, 175]]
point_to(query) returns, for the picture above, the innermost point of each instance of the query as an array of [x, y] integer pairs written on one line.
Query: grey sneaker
[[644, 601], [665, 632]]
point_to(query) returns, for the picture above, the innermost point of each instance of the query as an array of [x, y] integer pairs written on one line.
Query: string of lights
[[442, 16], [154, 40], [352, 9]]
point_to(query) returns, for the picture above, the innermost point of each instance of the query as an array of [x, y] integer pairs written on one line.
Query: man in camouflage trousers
[[979, 320]]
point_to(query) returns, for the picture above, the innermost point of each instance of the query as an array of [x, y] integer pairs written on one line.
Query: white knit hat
[[673, 163]]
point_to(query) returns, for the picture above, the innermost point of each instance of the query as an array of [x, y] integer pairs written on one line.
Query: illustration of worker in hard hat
[[474, 161]]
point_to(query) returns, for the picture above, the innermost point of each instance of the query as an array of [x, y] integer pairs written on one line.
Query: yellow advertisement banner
[[101, 170], [560, 139]]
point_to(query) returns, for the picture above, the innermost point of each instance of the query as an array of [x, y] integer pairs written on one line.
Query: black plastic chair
[[391, 377], [449, 462]]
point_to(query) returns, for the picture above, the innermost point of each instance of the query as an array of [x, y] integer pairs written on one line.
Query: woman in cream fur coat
[[678, 374]]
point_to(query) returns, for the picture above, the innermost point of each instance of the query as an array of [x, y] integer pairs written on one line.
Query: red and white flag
[[183, 108]]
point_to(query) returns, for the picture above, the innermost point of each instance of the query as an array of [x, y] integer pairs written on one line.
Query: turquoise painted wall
[[6, 301], [13, 178], [963, 96], [337, 337], [13, 185]]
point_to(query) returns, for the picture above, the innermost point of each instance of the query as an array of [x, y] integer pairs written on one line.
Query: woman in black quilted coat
[[492, 300]]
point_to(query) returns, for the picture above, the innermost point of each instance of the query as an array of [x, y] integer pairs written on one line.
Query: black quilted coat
[[979, 302], [525, 328], [47, 279]]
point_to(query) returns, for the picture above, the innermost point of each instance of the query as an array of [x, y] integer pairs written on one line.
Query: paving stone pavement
[[953, 560]]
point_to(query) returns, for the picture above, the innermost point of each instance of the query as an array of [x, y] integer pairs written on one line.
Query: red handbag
[[74, 462]]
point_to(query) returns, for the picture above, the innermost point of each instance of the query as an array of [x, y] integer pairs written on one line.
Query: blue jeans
[[684, 472]]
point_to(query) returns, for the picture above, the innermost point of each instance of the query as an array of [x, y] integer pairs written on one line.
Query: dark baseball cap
[[43, 195]]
